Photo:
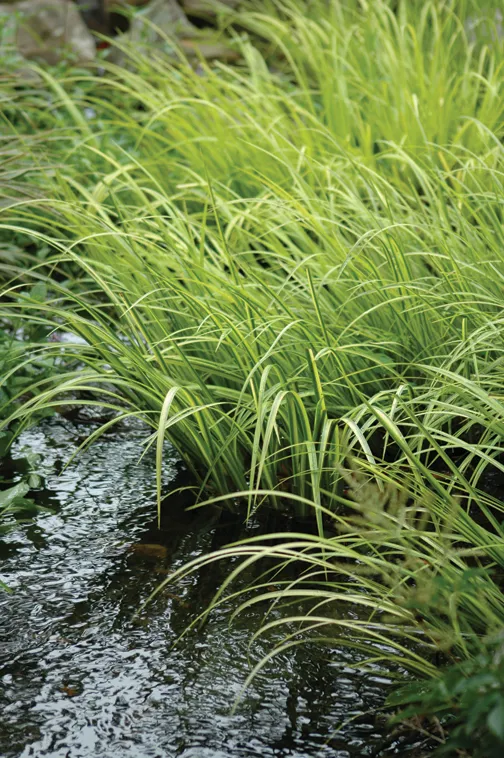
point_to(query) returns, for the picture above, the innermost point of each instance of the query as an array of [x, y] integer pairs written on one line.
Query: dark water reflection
[[79, 679]]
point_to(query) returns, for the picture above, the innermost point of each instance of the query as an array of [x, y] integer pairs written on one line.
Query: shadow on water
[[80, 679]]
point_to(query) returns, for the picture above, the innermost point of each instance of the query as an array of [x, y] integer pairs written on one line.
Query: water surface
[[81, 678]]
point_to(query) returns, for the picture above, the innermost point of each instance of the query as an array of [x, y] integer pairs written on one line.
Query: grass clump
[[293, 269]]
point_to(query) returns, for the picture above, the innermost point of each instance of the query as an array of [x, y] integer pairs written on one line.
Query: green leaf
[[39, 292], [5, 440], [8, 496], [495, 721]]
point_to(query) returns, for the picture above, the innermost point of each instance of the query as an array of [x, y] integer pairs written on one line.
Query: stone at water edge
[[149, 28], [165, 15], [48, 30], [162, 20], [206, 7]]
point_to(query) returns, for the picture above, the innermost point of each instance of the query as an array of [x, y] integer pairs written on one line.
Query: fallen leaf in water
[[70, 691], [148, 550]]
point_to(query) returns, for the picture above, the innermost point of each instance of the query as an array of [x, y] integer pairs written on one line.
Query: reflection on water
[[80, 679]]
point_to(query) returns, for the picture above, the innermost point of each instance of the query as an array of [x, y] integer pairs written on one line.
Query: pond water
[[81, 678]]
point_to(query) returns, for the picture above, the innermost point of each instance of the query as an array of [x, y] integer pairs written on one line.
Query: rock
[[206, 8], [48, 30], [160, 17], [164, 19], [150, 27]]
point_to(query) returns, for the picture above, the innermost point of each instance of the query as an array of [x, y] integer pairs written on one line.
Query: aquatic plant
[[21, 365]]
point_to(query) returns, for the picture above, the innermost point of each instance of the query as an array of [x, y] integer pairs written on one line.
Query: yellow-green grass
[[292, 269]]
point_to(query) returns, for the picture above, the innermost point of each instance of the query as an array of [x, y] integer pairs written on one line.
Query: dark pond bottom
[[80, 679]]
